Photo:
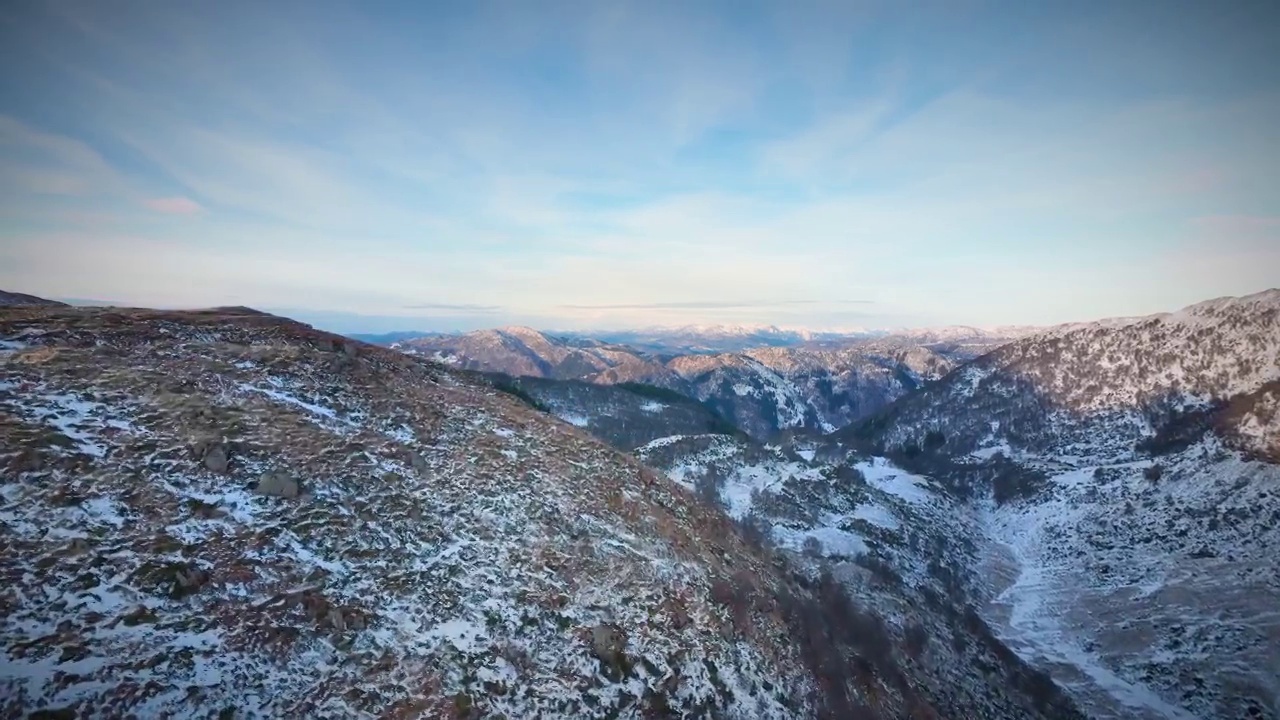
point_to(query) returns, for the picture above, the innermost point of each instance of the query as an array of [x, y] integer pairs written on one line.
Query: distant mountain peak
[[521, 331]]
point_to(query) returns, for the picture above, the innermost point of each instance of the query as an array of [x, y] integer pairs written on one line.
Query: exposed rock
[[336, 621], [215, 458], [418, 462], [609, 644], [277, 483]]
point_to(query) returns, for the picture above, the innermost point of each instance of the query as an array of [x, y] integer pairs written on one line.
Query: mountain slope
[[1148, 599], [526, 352], [626, 415], [891, 539], [13, 299], [808, 388], [1125, 475], [223, 512], [1098, 387]]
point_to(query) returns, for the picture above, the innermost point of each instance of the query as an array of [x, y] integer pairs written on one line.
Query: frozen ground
[[1147, 600]]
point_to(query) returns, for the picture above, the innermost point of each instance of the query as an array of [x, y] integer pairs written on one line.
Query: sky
[[568, 165]]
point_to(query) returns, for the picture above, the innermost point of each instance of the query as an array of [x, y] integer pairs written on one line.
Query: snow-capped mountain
[[694, 339], [225, 513], [712, 339]]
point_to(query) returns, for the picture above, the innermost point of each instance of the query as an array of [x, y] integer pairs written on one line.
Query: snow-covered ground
[[1147, 600], [897, 482]]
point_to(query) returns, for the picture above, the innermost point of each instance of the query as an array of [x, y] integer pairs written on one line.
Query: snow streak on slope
[[895, 481]]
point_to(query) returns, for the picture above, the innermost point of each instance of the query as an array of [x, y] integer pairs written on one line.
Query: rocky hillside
[[770, 389], [226, 513], [1147, 589], [1097, 388], [13, 299], [626, 415], [1124, 473], [1145, 594]]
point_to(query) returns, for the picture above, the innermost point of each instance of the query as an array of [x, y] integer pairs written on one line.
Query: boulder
[[216, 459], [277, 484], [609, 644], [418, 462]]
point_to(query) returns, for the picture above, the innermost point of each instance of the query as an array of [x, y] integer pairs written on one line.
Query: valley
[[1107, 489]]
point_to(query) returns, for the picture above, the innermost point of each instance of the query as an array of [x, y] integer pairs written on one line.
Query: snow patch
[[900, 483]]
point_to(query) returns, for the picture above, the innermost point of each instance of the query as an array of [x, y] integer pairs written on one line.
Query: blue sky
[[446, 165]]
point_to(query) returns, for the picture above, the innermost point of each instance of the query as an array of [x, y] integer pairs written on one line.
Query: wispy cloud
[[717, 305], [561, 170], [463, 307], [37, 162], [174, 205]]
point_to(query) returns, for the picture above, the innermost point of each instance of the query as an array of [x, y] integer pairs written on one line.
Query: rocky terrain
[[895, 540], [1096, 388], [770, 389], [525, 352], [1145, 597], [228, 513], [224, 513], [1149, 595]]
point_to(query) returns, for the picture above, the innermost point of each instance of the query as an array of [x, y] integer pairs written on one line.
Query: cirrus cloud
[[173, 205]]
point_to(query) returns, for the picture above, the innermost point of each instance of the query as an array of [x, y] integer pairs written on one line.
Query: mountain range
[[1113, 486], [819, 385], [229, 513]]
